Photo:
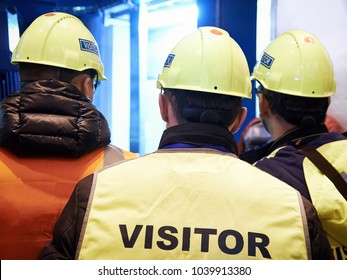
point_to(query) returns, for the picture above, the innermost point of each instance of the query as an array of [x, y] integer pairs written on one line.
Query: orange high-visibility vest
[[33, 192]]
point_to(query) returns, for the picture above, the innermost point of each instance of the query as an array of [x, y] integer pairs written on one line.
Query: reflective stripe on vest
[[178, 205], [33, 192]]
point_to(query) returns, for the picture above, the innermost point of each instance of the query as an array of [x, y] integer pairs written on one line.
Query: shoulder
[[117, 153], [280, 159], [10, 101]]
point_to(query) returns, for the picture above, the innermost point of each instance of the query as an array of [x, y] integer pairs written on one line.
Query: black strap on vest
[[326, 168]]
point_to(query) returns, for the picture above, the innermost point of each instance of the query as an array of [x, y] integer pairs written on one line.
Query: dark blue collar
[[198, 135]]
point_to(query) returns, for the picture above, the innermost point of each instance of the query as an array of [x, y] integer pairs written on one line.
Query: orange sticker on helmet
[[216, 32], [309, 40]]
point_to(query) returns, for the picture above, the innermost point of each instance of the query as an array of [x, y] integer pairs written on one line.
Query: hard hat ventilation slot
[[215, 87]]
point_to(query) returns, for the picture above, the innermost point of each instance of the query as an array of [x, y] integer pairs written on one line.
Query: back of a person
[[33, 191], [51, 134], [323, 192], [197, 204], [314, 185], [293, 105]]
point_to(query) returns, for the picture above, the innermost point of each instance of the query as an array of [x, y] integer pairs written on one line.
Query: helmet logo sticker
[[266, 60], [88, 46], [169, 60]]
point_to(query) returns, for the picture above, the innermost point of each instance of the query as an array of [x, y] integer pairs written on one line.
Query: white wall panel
[[327, 19]]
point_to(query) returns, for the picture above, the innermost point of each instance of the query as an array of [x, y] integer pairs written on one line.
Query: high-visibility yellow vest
[[197, 205], [33, 192], [329, 203]]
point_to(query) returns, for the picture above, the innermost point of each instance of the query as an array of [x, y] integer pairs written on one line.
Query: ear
[[240, 118], [163, 106], [85, 84], [87, 87]]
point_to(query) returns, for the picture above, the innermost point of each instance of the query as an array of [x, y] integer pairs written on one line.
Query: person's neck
[[280, 127]]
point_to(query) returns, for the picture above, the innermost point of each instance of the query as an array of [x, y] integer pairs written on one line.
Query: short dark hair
[[297, 110], [66, 75], [204, 107], [33, 71]]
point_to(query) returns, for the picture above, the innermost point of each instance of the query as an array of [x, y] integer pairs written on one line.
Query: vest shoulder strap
[[326, 168]]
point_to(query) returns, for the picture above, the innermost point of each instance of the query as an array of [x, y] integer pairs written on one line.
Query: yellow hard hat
[[296, 63], [207, 60], [61, 40]]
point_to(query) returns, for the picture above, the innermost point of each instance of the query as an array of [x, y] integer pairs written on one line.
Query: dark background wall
[[239, 18], [235, 16]]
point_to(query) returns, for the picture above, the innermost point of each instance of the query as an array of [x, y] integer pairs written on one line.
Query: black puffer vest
[[51, 118]]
